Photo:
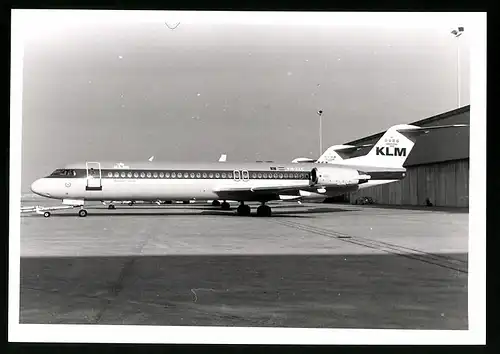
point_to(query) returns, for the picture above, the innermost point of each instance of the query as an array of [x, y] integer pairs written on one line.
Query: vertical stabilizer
[[391, 150]]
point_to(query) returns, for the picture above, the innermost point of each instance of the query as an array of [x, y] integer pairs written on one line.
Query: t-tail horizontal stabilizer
[[415, 131]]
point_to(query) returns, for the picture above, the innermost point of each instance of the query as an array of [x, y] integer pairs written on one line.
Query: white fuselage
[[146, 189]]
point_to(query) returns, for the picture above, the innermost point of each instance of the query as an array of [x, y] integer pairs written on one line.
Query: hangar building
[[437, 167]]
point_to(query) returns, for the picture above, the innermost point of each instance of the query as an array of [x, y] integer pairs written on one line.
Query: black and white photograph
[[247, 177]]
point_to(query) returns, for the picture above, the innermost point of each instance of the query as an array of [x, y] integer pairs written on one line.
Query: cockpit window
[[63, 173], [57, 173]]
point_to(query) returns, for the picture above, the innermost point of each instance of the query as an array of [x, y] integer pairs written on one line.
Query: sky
[[126, 90]]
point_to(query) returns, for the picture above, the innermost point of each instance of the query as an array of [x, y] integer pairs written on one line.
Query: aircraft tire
[[244, 210], [215, 203], [264, 210], [46, 214], [82, 213], [225, 206], [111, 206]]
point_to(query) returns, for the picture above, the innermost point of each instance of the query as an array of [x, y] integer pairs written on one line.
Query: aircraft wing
[[273, 192]]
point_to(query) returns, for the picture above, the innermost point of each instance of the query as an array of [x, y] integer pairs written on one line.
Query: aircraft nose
[[36, 187]]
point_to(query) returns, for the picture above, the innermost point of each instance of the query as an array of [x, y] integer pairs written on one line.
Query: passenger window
[[204, 175], [148, 174], [198, 175], [211, 175], [161, 174], [264, 175], [167, 174], [281, 175], [223, 175], [285, 175], [155, 174], [229, 175], [275, 175], [129, 175], [122, 174], [179, 175], [259, 175], [192, 175], [143, 175], [110, 174], [217, 175]]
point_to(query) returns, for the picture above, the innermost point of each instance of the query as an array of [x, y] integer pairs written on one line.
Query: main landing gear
[[215, 203], [264, 210], [225, 206], [82, 213], [111, 206], [243, 209]]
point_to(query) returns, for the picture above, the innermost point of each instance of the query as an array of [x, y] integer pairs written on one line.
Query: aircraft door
[[94, 176], [244, 175], [236, 175]]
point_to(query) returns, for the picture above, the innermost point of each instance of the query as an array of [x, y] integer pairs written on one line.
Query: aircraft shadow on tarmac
[[303, 212]]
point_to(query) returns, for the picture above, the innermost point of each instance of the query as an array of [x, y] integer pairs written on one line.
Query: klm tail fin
[[395, 146]]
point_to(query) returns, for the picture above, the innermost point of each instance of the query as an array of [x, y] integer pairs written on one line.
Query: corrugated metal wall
[[445, 184]]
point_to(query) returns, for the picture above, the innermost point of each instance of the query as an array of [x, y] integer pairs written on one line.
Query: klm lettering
[[388, 151]]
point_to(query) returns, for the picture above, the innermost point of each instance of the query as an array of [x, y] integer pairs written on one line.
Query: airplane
[[244, 182]]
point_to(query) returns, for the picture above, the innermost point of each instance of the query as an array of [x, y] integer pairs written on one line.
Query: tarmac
[[310, 265]]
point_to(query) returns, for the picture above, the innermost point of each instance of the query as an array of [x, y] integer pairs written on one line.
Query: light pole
[[457, 33], [320, 114]]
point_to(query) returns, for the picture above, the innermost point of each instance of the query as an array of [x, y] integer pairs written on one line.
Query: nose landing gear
[[82, 213]]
